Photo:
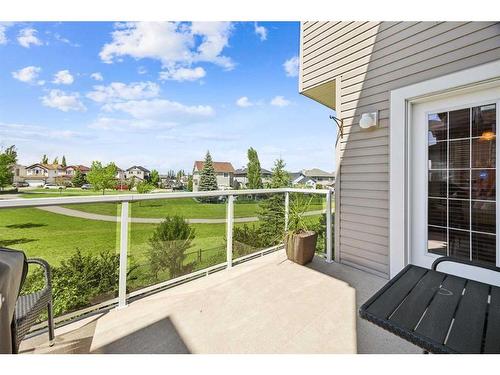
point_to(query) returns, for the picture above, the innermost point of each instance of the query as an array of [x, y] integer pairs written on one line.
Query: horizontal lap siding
[[372, 59]]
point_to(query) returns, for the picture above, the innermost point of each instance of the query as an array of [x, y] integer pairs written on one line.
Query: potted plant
[[300, 239]]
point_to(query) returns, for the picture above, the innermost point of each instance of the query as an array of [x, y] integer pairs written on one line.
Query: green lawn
[[70, 192]]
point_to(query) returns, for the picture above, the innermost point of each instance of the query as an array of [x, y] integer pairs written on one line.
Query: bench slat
[[466, 334], [439, 314], [409, 313], [394, 295], [492, 340]]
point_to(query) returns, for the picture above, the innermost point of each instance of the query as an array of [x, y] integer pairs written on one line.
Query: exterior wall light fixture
[[368, 120]]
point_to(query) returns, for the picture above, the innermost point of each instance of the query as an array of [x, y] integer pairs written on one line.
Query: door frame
[[401, 101]]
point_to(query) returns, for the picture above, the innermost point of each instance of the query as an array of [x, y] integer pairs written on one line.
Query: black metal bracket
[[340, 126]]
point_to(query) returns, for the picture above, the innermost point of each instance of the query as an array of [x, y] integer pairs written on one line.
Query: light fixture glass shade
[[368, 120]]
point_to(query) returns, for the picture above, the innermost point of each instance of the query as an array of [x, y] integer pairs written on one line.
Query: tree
[[272, 210], [56, 160], [145, 187], [253, 170], [63, 161], [7, 159], [78, 179], [168, 244], [45, 159], [208, 178], [179, 175], [190, 183], [154, 178], [102, 178]]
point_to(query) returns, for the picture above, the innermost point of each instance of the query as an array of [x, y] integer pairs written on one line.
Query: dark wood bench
[[439, 312]]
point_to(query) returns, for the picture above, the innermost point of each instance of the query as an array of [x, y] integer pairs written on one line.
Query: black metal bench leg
[[50, 321]]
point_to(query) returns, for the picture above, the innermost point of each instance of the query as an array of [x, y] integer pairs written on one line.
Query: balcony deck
[[266, 305]]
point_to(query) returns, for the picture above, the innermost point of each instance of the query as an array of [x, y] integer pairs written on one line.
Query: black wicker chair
[[30, 306]]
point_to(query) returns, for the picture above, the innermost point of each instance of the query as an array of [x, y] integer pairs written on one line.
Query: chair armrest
[[462, 261], [46, 269]]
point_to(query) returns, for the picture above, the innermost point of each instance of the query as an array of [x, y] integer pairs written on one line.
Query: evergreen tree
[[272, 210], [7, 159], [56, 160], [154, 178], [208, 178], [190, 183], [253, 170], [45, 159], [78, 179], [63, 162]]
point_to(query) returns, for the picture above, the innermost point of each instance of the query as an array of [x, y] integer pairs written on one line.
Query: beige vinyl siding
[[370, 59]]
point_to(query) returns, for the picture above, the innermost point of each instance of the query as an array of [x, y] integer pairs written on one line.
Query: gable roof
[[139, 167], [52, 167], [243, 171], [316, 172], [219, 166], [80, 167]]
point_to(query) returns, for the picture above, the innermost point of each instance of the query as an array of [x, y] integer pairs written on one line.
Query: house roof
[[304, 180], [80, 167], [219, 166], [316, 172], [52, 167], [139, 167], [243, 171]]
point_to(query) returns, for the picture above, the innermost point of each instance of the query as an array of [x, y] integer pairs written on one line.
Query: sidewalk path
[[144, 220]]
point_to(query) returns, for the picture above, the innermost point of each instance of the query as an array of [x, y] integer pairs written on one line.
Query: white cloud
[[177, 45], [63, 77], [280, 101], [261, 31], [3, 36], [97, 76], [291, 67], [244, 102], [27, 37], [118, 91], [28, 74], [65, 40], [63, 101], [25, 132], [183, 74], [142, 70], [162, 109], [115, 124]]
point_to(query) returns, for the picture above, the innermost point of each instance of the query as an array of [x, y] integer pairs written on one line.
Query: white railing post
[[122, 283], [229, 230], [287, 209], [329, 250]]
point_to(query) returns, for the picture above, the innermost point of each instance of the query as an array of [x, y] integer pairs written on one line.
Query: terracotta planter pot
[[300, 247]]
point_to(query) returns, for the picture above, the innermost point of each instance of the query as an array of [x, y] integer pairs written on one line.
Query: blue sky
[[159, 94]]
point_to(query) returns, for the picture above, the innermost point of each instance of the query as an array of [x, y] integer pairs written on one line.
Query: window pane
[[483, 216], [484, 152], [459, 154], [437, 155], [437, 184], [484, 248], [437, 212], [438, 127], [460, 123], [436, 242], [458, 214], [484, 121], [459, 184], [459, 244], [484, 184]]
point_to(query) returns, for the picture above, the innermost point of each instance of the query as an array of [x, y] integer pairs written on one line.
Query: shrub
[[80, 280], [168, 245]]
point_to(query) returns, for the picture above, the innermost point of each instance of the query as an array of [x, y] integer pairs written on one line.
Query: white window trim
[[401, 101]]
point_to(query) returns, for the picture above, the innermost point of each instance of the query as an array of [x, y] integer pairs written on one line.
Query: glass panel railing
[[170, 238], [259, 223], [81, 249]]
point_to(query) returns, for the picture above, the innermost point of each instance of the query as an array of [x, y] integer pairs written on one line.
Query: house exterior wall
[[367, 60], [224, 180]]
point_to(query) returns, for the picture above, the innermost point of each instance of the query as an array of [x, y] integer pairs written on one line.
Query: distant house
[[138, 172], [120, 174], [39, 174], [224, 171], [241, 177], [71, 170], [19, 172], [312, 178]]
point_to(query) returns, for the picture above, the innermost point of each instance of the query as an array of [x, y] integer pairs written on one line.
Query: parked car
[[86, 186], [21, 184], [53, 186]]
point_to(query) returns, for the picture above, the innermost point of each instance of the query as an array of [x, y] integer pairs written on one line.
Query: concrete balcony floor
[[266, 305]]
